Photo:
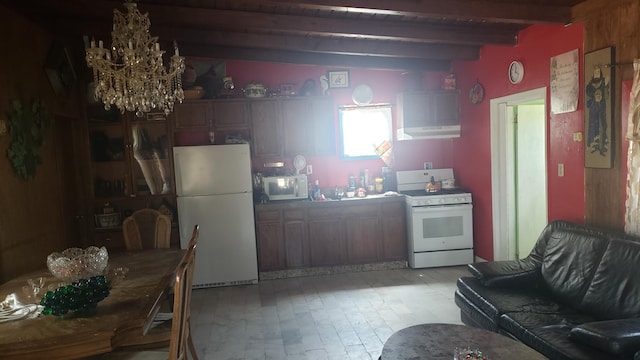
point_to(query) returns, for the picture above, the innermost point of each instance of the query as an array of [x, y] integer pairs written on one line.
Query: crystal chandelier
[[131, 75]]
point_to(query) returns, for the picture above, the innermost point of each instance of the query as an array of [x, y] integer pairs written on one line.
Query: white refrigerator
[[215, 191]]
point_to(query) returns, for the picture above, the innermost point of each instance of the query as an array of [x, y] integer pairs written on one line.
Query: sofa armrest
[[618, 337], [511, 273]]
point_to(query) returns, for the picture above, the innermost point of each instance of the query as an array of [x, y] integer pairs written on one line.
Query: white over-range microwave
[[290, 187]]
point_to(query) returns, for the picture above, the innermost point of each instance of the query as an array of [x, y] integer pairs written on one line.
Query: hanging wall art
[[598, 109]]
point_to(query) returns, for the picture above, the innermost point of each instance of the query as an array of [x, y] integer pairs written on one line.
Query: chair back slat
[[182, 301], [147, 229]]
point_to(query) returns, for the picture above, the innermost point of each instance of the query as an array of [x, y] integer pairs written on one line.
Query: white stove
[[440, 223]]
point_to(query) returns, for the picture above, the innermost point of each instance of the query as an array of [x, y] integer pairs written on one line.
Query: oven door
[[447, 227]]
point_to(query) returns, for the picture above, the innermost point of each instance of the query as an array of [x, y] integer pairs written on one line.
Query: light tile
[[337, 315]]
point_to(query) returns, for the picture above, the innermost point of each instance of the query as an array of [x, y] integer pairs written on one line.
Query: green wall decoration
[[28, 127]]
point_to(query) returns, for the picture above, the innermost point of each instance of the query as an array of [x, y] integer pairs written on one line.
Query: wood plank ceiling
[[395, 34]]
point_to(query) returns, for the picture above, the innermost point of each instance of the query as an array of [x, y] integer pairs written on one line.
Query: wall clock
[[516, 72]]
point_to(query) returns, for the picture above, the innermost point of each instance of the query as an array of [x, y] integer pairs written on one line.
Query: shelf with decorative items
[[131, 167]]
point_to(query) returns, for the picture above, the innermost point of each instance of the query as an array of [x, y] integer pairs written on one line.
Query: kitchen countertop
[[351, 201]]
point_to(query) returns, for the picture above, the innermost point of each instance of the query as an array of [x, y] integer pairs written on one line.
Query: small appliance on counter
[[286, 187]]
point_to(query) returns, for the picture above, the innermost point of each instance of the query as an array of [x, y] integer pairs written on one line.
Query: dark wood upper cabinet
[[230, 114], [308, 126], [192, 114], [265, 127]]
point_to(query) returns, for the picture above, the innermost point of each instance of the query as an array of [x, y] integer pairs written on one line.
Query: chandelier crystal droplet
[[131, 75]]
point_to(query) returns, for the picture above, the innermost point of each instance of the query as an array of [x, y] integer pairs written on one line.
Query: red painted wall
[[386, 84], [469, 155], [472, 152]]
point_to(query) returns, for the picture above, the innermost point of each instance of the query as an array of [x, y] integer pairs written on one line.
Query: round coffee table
[[437, 341]]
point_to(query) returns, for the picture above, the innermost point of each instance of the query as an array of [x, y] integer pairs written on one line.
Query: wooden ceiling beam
[[345, 46], [503, 12], [294, 57], [307, 25]]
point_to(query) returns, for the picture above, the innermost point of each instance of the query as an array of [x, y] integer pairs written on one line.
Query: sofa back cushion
[[614, 291], [570, 261]]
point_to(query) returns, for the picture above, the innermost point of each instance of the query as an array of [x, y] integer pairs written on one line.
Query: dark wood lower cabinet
[[394, 232], [363, 238], [327, 242], [296, 244], [304, 234], [270, 246]]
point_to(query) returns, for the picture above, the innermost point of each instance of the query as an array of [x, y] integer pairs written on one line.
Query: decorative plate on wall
[[476, 95], [362, 95]]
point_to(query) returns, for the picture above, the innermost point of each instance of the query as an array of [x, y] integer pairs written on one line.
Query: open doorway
[[518, 172]]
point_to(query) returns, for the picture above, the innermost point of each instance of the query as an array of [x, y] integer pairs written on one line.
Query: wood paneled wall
[[36, 216], [610, 23]]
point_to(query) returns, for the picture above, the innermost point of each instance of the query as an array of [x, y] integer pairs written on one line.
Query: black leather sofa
[[576, 296]]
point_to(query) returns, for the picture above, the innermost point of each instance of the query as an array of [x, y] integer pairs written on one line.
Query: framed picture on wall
[[339, 79], [598, 108], [59, 69]]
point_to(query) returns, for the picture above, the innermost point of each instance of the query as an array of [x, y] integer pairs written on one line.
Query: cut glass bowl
[[75, 263]]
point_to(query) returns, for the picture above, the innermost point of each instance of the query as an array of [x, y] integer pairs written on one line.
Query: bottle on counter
[[316, 190], [379, 185]]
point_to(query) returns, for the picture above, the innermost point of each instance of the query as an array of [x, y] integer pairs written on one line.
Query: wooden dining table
[[131, 305]]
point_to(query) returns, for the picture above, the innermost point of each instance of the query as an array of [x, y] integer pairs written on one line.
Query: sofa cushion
[[509, 273], [613, 336], [549, 334], [614, 292], [495, 301], [570, 261]]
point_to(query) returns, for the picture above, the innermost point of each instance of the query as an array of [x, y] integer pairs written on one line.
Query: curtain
[[632, 216]]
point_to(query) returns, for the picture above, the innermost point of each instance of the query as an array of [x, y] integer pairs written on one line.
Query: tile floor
[[340, 316]]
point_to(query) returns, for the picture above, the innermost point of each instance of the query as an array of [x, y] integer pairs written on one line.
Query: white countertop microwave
[[286, 187]]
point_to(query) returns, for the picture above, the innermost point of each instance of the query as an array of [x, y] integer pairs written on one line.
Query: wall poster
[[598, 109], [565, 80]]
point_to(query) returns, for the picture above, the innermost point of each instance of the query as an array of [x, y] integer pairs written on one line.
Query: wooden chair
[[147, 229], [163, 333]]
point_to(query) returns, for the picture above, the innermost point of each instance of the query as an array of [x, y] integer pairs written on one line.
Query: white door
[[515, 211], [530, 175]]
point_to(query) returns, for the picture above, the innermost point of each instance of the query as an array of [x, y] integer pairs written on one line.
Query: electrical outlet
[[560, 169], [309, 170], [577, 136], [428, 165]]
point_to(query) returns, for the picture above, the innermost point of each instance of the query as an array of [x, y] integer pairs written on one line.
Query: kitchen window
[[363, 129]]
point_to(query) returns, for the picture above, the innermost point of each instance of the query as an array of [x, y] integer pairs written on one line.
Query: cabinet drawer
[[297, 214], [394, 208], [268, 215], [325, 212], [362, 210]]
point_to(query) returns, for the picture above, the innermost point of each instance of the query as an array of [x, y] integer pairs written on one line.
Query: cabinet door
[[308, 126], [150, 156], [324, 127], [363, 237], [194, 114], [270, 246], [229, 114], [446, 108], [297, 127], [418, 109], [394, 235], [109, 167], [265, 127], [327, 242], [296, 244]]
